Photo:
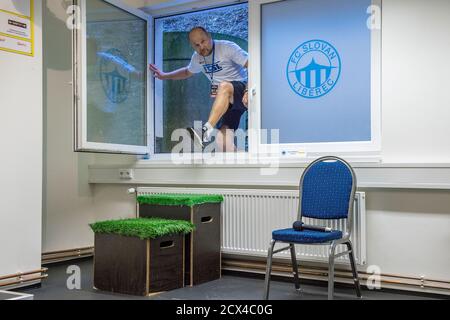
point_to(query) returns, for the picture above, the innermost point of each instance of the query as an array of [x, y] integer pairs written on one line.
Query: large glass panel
[[179, 103], [116, 75], [316, 70]]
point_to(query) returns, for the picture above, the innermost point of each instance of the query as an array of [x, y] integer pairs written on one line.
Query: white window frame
[[172, 11], [370, 151], [80, 87]]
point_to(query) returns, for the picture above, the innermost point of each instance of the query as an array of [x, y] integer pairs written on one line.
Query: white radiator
[[250, 215]]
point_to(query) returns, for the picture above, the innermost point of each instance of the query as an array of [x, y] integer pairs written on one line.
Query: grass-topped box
[[189, 200], [139, 256], [203, 256]]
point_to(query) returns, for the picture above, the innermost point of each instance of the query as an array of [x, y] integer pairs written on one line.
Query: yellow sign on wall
[[17, 27]]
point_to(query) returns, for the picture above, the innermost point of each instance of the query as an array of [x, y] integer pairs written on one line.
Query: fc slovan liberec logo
[[313, 69], [114, 75]]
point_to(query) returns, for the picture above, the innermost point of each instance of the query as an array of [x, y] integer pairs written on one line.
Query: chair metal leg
[[331, 271], [354, 270], [268, 269], [295, 267]]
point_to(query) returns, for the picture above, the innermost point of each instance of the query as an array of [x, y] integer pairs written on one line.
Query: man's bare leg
[[229, 141], [222, 102], [225, 140]]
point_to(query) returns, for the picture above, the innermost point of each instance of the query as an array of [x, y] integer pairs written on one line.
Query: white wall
[[407, 230], [21, 160], [415, 81], [69, 201], [62, 175]]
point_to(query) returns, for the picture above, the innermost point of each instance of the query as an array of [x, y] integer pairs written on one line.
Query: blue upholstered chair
[[327, 192]]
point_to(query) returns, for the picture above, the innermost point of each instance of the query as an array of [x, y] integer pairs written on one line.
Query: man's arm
[[179, 74]]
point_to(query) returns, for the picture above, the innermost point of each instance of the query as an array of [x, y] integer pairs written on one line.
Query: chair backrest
[[327, 189]]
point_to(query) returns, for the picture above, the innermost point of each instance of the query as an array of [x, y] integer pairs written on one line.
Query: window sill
[[286, 175], [142, 164], [243, 160]]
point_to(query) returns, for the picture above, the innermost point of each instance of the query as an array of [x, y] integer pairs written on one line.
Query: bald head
[[199, 30], [201, 41]]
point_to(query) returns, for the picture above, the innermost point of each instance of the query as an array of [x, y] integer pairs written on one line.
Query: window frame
[[166, 13], [370, 150], [79, 36]]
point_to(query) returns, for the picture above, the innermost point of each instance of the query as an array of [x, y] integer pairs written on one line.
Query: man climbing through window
[[225, 64]]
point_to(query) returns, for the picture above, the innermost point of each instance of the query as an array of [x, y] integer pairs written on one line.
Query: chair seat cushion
[[305, 236]]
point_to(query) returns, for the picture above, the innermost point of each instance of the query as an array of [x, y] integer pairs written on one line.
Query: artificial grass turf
[[189, 200], [143, 228]]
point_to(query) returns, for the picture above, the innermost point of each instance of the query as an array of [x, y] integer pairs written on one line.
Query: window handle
[[252, 93]]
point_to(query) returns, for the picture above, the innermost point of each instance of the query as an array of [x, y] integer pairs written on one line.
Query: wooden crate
[[203, 254], [129, 265]]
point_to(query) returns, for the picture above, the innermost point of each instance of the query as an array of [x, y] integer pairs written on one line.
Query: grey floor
[[231, 286]]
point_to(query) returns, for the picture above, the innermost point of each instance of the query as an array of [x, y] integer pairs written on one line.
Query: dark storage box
[[138, 267], [142, 264], [203, 254]]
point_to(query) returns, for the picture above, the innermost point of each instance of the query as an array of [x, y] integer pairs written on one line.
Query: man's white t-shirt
[[229, 61]]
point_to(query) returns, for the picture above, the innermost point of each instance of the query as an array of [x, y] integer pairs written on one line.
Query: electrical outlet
[[126, 174]]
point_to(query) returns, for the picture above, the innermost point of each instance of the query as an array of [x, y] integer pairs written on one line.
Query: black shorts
[[232, 117]]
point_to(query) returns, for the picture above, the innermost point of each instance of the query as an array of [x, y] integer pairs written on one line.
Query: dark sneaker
[[197, 136]]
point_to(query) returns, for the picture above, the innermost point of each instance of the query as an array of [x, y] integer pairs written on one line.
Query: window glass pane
[[316, 70], [179, 103], [116, 75]]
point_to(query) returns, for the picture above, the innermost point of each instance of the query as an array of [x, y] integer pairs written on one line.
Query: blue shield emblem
[[114, 75], [313, 69]]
